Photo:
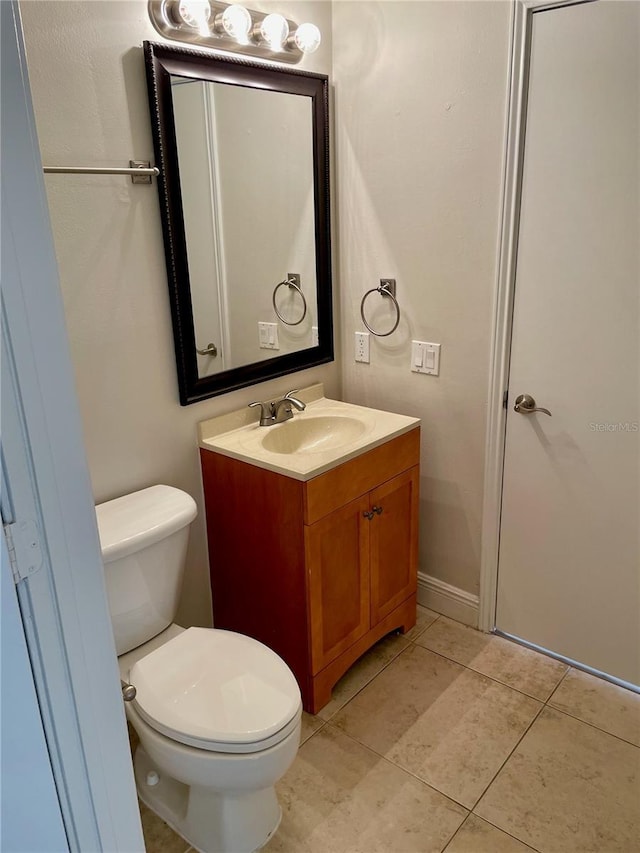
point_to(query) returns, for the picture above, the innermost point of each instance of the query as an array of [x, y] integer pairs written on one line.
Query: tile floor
[[449, 739]]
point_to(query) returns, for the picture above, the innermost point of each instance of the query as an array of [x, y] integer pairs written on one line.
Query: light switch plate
[[425, 358], [268, 336], [314, 336]]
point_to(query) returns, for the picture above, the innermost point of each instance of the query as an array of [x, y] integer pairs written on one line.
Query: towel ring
[[386, 287], [291, 284]]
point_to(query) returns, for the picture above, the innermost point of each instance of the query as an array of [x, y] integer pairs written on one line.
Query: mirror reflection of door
[[197, 172], [246, 173]]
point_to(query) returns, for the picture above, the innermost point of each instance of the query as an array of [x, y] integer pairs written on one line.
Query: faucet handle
[[288, 395], [266, 411]]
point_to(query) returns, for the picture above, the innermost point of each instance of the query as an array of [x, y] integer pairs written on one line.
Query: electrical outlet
[[362, 347], [268, 336], [314, 336], [425, 357]]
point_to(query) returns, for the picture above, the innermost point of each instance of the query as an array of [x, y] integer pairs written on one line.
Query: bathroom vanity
[[313, 532]]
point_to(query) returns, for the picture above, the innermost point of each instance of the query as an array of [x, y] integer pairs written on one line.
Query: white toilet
[[217, 713]]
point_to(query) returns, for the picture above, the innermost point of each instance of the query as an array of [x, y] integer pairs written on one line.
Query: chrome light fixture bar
[[232, 27]]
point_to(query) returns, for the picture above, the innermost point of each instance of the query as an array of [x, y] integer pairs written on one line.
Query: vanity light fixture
[[232, 27], [306, 38], [273, 30], [194, 14], [235, 21]]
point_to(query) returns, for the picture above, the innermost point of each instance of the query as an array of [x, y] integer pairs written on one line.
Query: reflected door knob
[[526, 405], [210, 349]]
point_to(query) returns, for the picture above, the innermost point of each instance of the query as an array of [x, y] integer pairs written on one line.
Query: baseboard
[[448, 600]]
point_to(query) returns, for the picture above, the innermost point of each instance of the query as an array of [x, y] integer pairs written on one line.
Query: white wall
[[90, 99], [420, 92]]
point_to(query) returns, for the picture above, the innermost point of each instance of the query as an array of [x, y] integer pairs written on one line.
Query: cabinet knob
[[367, 514], [377, 510]]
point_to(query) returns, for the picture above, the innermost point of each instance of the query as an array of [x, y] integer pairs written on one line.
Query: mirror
[[242, 150]]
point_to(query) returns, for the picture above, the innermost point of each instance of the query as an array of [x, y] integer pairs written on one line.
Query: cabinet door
[[394, 543], [337, 552]]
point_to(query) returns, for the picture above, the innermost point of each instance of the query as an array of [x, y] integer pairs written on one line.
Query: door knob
[[526, 405]]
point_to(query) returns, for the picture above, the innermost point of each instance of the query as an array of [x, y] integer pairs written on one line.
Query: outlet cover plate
[[362, 347]]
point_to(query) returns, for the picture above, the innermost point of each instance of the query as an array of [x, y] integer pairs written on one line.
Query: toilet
[[217, 713]]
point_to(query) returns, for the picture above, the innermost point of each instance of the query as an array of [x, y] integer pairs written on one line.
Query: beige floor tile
[[568, 788], [605, 705], [310, 725], [518, 667], [158, 836], [340, 797], [477, 836], [424, 618], [450, 726], [362, 671]]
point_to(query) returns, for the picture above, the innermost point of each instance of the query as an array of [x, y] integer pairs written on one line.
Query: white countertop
[[357, 429]]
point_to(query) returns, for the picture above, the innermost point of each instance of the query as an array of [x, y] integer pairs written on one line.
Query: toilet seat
[[217, 690]]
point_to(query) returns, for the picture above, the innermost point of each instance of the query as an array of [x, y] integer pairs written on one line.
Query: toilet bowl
[[217, 713]]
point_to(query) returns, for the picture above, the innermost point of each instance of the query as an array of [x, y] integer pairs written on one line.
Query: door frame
[[502, 325]]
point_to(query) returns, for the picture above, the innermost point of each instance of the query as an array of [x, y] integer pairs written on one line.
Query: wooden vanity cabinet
[[317, 570]]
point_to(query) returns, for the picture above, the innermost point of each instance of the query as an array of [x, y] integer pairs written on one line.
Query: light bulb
[[274, 29], [235, 21], [307, 38], [196, 14]]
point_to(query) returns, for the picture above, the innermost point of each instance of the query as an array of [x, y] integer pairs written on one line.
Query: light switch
[[425, 357], [268, 336]]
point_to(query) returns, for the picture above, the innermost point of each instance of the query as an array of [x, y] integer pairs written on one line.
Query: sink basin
[[312, 434], [328, 433]]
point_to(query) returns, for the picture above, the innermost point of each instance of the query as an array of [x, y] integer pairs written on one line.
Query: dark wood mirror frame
[[162, 61]]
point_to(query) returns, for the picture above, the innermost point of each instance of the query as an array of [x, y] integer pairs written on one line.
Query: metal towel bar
[[141, 171]]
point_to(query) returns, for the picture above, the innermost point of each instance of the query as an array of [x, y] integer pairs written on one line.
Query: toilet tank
[[144, 539]]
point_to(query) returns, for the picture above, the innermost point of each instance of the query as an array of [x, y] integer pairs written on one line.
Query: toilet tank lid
[[135, 521]]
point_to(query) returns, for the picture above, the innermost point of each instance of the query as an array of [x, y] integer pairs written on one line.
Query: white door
[[29, 784], [195, 137], [46, 496], [569, 563]]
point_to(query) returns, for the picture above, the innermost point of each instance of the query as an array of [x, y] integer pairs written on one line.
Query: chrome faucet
[[279, 411]]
